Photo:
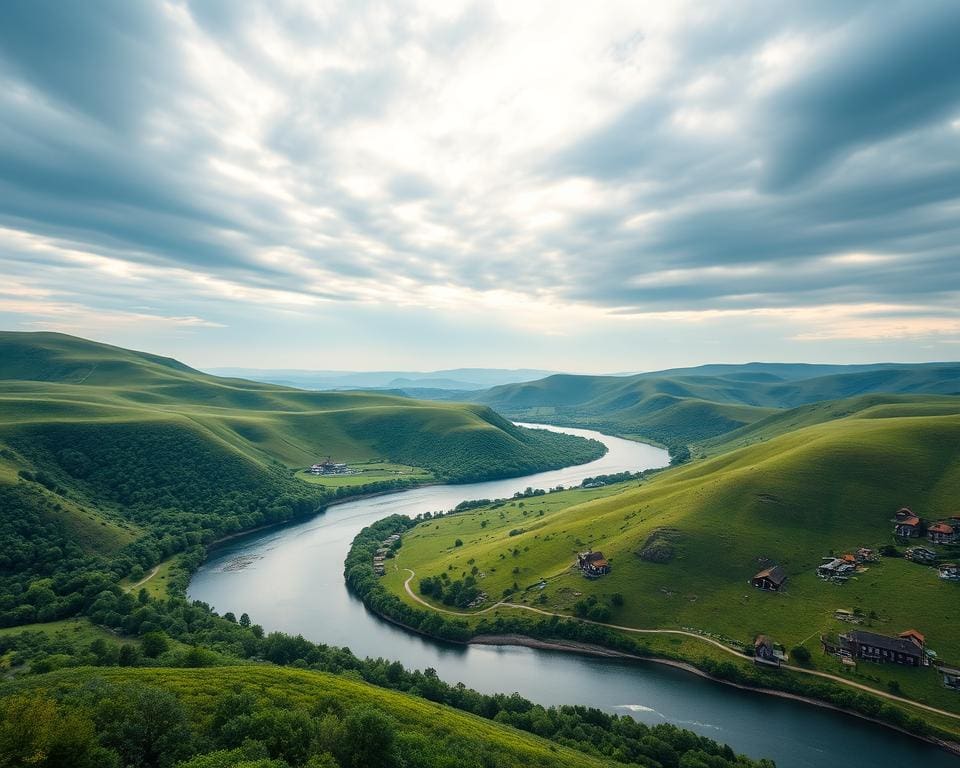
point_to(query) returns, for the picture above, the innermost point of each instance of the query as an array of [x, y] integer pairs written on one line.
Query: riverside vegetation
[[113, 462], [827, 484]]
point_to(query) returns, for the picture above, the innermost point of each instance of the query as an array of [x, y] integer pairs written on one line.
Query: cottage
[[951, 678], [950, 572], [869, 646], [866, 555], [836, 568], [592, 564], [907, 528], [921, 555], [904, 513], [764, 651], [942, 533], [771, 579]]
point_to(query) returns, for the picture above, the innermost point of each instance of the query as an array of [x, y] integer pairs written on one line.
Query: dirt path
[[711, 641], [145, 579]]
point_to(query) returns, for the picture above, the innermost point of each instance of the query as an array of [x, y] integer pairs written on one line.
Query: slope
[[693, 405], [791, 500]]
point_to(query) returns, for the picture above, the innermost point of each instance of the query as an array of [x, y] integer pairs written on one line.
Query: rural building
[[921, 555], [951, 678], [907, 528], [865, 555], [592, 564], [771, 579], [941, 533], [869, 646], [903, 513], [835, 568], [329, 467], [950, 572]]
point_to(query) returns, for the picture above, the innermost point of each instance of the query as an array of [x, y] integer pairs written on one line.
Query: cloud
[[545, 164]]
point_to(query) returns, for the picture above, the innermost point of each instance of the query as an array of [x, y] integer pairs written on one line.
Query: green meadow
[[819, 490]]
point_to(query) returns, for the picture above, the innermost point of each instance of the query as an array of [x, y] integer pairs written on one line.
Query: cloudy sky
[[578, 186]]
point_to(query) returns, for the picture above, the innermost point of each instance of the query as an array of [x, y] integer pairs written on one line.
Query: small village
[[385, 550]]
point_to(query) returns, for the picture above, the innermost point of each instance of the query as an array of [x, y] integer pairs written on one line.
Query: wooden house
[[904, 513], [949, 572], [907, 528], [942, 533], [771, 579], [869, 646], [921, 555], [592, 564], [951, 678]]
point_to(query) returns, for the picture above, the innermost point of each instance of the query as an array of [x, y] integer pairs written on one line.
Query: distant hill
[[461, 379], [115, 453], [692, 405]]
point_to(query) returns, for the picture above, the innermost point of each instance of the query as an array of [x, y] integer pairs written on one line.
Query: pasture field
[[791, 500]]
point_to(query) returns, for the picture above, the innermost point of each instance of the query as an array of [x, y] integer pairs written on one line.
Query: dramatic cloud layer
[[374, 185]]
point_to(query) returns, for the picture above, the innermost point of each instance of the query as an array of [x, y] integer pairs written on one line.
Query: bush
[[800, 654]]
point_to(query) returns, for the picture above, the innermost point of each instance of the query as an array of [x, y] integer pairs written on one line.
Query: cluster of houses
[[593, 564], [907, 525], [380, 556], [329, 467], [839, 569], [909, 649]]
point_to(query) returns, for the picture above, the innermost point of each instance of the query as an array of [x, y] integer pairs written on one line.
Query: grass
[[200, 689], [793, 499]]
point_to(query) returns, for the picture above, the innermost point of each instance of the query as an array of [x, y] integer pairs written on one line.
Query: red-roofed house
[[912, 634], [908, 528], [942, 533]]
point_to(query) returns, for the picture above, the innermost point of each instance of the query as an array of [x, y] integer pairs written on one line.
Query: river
[[291, 579]]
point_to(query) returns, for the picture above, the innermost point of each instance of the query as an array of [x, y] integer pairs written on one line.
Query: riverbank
[[599, 651], [557, 632]]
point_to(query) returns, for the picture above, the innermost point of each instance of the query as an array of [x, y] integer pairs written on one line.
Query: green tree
[[369, 739], [38, 732], [154, 644], [146, 726]]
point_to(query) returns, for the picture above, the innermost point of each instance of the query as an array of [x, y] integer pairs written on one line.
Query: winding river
[[291, 579]]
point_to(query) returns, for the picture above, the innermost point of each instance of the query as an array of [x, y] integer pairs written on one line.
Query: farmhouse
[[771, 579], [950, 572], [907, 649], [907, 528], [329, 467], [941, 533], [904, 513], [835, 569], [921, 555], [951, 678], [592, 564]]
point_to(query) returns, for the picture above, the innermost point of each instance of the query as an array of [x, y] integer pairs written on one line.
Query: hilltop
[[690, 405]]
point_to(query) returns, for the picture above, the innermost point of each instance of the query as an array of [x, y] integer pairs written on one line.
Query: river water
[[291, 579]]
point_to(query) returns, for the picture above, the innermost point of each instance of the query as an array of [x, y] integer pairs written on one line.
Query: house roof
[[915, 634], [941, 528], [600, 563], [849, 558], [762, 640], [896, 644], [911, 521], [593, 557], [775, 574]]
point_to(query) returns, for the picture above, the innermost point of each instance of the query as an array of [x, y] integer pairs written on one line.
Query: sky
[[587, 187]]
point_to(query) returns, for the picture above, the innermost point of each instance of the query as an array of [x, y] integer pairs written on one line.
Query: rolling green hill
[[685, 543], [687, 406], [111, 459]]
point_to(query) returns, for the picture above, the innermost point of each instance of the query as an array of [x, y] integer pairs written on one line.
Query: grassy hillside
[[112, 460], [691, 405], [791, 499], [413, 731]]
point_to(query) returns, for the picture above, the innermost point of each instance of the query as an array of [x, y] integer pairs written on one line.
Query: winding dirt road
[[694, 635]]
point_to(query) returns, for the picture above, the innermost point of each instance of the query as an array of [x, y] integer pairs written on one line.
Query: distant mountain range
[[455, 379]]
